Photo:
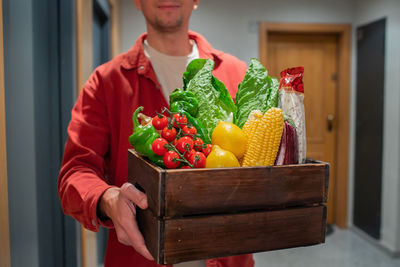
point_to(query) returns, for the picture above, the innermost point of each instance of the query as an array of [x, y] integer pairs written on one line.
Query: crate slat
[[150, 178], [174, 193], [203, 237]]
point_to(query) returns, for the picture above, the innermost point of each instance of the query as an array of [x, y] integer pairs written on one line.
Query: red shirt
[[95, 156]]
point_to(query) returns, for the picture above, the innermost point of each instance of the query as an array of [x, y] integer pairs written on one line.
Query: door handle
[[330, 120]]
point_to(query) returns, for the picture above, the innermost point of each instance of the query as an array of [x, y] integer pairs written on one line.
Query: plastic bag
[[291, 100]]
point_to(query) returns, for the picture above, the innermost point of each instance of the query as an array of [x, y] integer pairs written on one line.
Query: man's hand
[[119, 205]]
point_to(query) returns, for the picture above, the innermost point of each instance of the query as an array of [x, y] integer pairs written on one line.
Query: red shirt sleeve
[[81, 180]]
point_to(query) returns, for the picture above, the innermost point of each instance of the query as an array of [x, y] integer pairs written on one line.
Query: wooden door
[[318, 53]]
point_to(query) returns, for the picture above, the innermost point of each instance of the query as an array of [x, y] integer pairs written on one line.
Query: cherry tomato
[[160, 122], [188, 154], [181, 120], [198, 159], [189, 130], [175, 142], [184, 143], [198, 144], [170, 160], [158, 146], [168, 134], [206, 150]]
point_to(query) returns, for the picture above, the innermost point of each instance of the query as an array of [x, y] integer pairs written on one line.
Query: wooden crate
[[207, 213]]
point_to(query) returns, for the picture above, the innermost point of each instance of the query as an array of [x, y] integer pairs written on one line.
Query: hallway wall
[[19, 96], [367, 11]]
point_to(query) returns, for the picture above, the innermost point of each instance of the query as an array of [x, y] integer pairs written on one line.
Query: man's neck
[[173, 44]]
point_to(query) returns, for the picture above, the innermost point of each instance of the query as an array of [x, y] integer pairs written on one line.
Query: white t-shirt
[[169, 69]]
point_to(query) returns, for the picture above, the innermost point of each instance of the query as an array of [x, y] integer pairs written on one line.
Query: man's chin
[[168, 26], [168, 29]]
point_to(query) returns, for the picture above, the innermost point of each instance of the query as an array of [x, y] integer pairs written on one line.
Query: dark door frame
[[54, 75], [370, 76]]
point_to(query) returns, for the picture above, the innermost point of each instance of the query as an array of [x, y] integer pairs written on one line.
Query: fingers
[[122, 237], [137, 240], [129, 191], [126, 226]]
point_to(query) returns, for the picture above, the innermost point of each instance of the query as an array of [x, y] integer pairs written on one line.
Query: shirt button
[[93, 223], [141, 67]]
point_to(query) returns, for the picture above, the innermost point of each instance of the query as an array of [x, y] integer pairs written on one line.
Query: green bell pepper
[[184, 100], [186, 103], [142, 139]]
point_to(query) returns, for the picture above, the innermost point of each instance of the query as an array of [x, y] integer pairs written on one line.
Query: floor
[[343, 248]]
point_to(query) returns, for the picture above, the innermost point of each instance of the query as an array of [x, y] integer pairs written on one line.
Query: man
[[92, 183]]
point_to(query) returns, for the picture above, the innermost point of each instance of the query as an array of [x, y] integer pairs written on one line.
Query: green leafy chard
[[256, 91], [215, 103]]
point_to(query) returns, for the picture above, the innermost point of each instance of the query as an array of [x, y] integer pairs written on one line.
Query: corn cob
[[249, 128], [264, 144]]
